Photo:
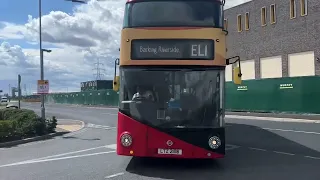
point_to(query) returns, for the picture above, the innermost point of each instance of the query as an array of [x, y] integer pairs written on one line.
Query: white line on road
[[112, 146], [113, 114], [289, 130], [55, 159], [114, 175], [89, 125], [96, 125], [68, 153], [258, 149], [231, 147], [279, 152], [311, 157]]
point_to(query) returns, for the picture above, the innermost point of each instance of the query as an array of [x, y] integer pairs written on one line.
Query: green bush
[[51, 124], [6, 129], [21, 123], [14, 114]]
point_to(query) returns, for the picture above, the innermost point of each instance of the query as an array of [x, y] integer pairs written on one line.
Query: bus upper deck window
[[175, 13]]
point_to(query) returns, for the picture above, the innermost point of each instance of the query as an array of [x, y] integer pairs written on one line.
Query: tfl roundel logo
[[169, 143]]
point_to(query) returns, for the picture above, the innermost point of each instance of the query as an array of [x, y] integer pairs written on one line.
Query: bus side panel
[[137, 130]]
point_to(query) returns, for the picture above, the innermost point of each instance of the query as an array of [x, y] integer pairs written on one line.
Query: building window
[[239, 23], [273, 13], [292, 9], [225, 25], [304, 7], [247, 21], [263, 16]]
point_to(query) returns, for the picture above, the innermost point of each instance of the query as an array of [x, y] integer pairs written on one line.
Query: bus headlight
[[126, 139], [214, 142]]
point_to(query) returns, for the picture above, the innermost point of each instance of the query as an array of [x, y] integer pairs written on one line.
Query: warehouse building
[[274, 38]]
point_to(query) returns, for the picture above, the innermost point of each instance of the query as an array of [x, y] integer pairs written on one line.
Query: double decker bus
[[171, 79]]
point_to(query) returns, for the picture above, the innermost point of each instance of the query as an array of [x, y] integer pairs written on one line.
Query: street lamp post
[[43, 110], [43, 115], [41, 62]]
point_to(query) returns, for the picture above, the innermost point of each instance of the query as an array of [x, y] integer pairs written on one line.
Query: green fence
[[299, 95], [100, 97]]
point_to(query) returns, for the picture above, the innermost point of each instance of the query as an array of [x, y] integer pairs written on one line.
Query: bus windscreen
[[170, 98]]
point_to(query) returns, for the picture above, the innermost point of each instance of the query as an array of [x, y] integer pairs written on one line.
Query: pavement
[[69, 125], [261, 148]]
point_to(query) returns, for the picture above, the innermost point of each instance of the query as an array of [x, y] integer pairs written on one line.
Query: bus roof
[[172, 0]]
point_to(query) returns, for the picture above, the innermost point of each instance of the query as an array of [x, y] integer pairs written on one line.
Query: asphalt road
[[256, 150]]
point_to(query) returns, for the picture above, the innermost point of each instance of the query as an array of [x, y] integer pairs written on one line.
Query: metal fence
[[99, 97]]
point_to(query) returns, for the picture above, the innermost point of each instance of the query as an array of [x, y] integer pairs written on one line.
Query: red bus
[[171, 79]]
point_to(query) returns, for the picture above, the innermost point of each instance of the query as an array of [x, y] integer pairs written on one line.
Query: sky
[[78, 34]]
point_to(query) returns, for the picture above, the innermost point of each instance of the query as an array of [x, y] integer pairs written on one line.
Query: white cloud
[[91, 31], [64, 67], [232, 3], [11, 31]]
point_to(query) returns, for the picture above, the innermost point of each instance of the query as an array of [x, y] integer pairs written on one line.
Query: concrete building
[[274, 38]]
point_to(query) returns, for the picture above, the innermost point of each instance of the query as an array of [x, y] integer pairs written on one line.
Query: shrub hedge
[[22, 123]]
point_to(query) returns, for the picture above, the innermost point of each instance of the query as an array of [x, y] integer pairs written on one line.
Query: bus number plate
[[170, 151]]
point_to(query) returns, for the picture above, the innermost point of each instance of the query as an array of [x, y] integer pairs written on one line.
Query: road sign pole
[[43, 115], [19, 91]]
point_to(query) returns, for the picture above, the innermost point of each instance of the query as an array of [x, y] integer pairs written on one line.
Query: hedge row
[[22, 123]]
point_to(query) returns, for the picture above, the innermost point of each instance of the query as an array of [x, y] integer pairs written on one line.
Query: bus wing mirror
[[116, 83], [237, 76]]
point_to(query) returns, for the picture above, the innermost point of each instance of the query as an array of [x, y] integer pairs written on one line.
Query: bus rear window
[[173, 13]]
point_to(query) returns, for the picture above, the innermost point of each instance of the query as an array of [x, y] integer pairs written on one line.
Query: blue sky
[[17, 11]]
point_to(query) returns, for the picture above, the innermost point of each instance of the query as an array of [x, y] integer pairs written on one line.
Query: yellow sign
[[43, 82], [43, 86]]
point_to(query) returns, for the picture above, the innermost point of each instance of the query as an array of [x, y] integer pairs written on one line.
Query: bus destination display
[[172, 49]]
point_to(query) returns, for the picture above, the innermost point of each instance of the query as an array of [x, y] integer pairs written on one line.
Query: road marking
[[289, 130], [114, 175], [279, 152], [111, 146], [95, 125], [231, 147], [284, 153], [55, 159], [89, 125], [110, 114], [258, 149], [311, 157], [68, 153], [271, 119]]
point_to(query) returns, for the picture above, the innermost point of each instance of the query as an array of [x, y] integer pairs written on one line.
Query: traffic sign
[[43, 86]]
